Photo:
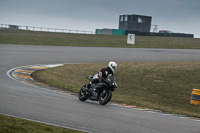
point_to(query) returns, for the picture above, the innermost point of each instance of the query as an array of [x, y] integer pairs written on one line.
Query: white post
[[131, 39]]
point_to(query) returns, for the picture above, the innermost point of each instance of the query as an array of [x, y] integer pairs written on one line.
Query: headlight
[[113, 84]]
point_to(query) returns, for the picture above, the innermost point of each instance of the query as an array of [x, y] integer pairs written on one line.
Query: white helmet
[[112, 65]]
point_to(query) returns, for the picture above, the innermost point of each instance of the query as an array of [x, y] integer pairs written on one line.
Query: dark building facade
[[135, 23], [13, 27]]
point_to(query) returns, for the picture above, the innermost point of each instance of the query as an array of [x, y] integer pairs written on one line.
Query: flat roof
[[136, 15]]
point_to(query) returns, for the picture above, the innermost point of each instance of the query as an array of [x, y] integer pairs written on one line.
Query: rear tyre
[[82, 95], [105, 97]]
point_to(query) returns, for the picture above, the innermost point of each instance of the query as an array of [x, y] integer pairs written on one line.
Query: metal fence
[[44, 29], [138, 33]]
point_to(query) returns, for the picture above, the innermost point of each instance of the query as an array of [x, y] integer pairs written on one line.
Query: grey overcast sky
[[182, 16]]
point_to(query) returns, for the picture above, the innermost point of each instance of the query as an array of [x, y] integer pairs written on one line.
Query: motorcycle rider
[[103, 74]]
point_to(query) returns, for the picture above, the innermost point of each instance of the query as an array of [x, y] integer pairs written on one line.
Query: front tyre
[[82, 94], [105, 97]]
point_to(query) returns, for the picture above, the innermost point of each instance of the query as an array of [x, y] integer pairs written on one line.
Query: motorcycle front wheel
[[105, 97], [82, 94]]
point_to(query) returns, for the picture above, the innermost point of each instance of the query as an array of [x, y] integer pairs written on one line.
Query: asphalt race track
[[42, 105]]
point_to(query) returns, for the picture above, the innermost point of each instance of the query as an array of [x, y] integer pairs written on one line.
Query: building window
[[121, 18], [126, 18], [139, 20]]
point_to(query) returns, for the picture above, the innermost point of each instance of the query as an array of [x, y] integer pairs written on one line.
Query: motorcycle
[[101, 91]]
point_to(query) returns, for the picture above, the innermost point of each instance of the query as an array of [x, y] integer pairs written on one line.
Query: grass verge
[[164, 86], [84, 40], [14, 125]]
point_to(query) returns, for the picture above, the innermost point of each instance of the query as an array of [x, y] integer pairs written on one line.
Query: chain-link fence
[[44, 29]]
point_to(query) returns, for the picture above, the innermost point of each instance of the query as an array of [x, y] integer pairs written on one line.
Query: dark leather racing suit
[[101, 75]]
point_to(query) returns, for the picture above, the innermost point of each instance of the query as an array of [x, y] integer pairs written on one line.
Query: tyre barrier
[[195, 97]]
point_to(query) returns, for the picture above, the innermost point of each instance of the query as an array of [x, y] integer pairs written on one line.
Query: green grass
[[84, 40], [14, 125], [164, 86]]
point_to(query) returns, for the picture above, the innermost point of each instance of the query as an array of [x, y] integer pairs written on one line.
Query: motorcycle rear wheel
[[105, 97], [82, 94]]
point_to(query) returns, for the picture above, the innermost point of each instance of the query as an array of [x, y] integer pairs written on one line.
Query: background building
[[110, 31], [16, 27], [135, 22], [139, 25]]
